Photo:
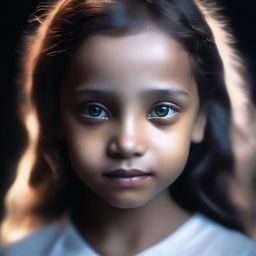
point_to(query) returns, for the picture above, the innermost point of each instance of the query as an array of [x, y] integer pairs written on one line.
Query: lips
[[126, 173]]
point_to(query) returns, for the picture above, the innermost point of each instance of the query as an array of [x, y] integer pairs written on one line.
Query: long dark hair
[[62, 29]]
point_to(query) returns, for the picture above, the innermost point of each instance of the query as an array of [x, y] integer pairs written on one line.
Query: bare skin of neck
[[112, 231]]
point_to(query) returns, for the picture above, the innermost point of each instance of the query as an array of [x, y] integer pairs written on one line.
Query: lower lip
[[129, 181]]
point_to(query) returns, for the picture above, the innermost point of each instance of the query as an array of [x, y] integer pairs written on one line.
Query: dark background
[[14, 17]]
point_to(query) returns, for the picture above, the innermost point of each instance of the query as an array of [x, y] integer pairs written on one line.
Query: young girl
[[128, 117]]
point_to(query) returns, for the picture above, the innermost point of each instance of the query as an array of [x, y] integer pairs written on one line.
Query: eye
[[164, 111], [93, 111]]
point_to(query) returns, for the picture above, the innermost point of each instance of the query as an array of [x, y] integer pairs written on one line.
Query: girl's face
[[130, 103]]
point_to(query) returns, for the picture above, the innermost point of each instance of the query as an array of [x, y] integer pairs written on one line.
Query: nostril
[[115, 154], [118, 153], [122, 150]]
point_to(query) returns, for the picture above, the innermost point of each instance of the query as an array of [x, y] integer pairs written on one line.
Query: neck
[[103, 225]]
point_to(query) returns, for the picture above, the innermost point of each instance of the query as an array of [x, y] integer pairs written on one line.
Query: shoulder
[[38, 242], [59, 238], [215, 239]]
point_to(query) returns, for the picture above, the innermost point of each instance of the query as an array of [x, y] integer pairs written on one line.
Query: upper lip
[[126, 173]]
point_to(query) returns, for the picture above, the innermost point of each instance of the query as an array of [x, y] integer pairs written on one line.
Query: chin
[[127, 206], [127, 203]]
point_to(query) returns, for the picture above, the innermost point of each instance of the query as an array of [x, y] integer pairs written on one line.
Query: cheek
[[171, 149], [86, 147]]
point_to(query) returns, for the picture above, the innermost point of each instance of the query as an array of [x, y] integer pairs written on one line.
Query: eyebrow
[[154, 93], [102, 93], [158, 93]]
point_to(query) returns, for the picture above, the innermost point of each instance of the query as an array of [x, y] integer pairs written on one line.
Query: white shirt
[[198, 236]]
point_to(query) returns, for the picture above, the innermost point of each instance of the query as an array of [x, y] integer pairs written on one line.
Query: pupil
[[94, 110], [162, 110]]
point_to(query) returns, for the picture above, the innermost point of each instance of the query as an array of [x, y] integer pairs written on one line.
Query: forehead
[[133, 60]]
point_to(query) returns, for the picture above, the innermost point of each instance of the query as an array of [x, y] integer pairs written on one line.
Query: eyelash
[[167, 105], [85, 108]]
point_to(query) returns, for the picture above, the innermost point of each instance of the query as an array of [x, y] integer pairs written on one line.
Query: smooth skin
[[130, 101]]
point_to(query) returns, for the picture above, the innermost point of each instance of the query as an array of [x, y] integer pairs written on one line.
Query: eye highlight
[[93, 110], [163, 111]]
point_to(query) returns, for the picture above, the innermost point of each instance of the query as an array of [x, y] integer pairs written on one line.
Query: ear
[[199, 127]]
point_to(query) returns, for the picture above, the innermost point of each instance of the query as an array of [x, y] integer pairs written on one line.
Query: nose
[[128, 139]]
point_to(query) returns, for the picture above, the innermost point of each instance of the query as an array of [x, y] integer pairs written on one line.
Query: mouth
[[127, 177], [126, 173]]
